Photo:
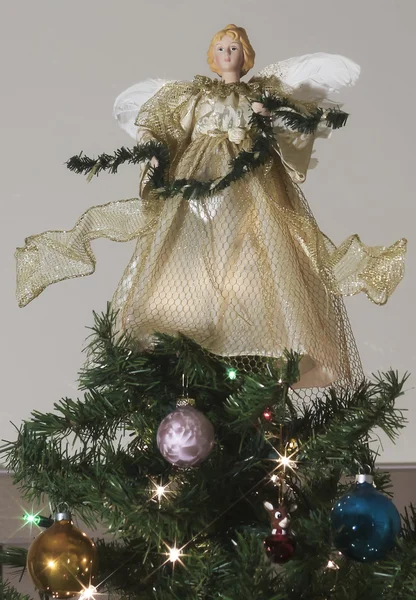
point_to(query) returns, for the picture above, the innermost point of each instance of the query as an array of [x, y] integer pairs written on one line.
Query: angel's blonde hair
[[238, 34]]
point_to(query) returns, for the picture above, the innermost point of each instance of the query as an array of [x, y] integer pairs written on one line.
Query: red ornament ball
[[280, 547]]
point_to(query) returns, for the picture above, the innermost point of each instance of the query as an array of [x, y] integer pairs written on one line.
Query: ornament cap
[[184, 401], [364, 478], [63, 516]]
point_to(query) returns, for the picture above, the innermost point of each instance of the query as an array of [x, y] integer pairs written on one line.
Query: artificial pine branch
[[8, 592], [14, 557], [215, 510], [82, 164], [305, 122]]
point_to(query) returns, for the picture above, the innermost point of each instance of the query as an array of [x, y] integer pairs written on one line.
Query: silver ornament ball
[[185, 437]]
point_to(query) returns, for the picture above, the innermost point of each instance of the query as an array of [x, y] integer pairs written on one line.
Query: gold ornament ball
[[62, 560]]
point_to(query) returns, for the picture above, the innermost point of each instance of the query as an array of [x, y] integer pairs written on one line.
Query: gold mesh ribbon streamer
[[53, 256]]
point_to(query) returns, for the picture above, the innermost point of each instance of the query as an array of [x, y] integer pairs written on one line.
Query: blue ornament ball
[[365, 522]]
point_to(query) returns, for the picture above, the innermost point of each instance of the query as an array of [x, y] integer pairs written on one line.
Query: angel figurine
[[231, 255]]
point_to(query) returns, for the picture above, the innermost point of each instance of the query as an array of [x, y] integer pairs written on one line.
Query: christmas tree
[[203, 531], [225, 414]]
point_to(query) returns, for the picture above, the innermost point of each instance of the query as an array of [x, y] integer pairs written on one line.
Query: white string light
[[160, 491], [286, 461], [88, 593], [174, 554], [332, 565]]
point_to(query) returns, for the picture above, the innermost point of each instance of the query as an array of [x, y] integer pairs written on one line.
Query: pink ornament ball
[[185, 437]]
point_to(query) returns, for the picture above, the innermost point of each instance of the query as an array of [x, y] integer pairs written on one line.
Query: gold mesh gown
[[246, 273]]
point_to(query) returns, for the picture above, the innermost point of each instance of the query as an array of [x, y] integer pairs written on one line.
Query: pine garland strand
[[244, 163]]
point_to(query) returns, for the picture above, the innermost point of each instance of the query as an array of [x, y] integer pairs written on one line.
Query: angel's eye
[[220, 49], [234, 48]]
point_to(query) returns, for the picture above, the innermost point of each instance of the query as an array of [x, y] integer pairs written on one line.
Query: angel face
[[236, 34], [229, 56]]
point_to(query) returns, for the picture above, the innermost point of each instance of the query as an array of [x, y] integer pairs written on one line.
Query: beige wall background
[[63, 64]]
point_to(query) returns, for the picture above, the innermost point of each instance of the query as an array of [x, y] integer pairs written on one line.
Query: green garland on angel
[[262, 148]]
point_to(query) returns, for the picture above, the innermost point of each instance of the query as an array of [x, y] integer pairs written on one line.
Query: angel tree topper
[[242, 269]]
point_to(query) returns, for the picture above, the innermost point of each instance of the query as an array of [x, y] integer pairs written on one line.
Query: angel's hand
[[154, 162], [258, 107]]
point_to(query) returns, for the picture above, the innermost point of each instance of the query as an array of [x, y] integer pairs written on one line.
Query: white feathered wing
[[129, 102], [314, 77]]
